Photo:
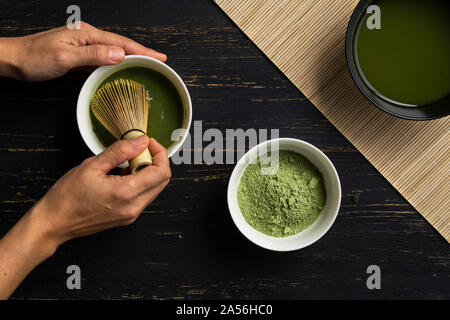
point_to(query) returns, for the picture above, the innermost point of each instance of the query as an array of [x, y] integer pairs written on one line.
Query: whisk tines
[[121, 105], [122, 108]]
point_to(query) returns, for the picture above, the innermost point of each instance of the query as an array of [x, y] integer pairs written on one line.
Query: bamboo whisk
[[122, 106]]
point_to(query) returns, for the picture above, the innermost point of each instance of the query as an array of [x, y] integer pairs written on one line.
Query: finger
[[97, 36], [144, 199], [155, 149], [96, 55], [120, 152], [159, 153], [158, 173]]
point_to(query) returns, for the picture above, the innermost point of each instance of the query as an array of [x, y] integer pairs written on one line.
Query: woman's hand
[[87, 200], [52, 53], [84, 201]]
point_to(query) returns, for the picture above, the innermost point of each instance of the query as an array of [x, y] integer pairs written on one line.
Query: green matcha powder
[[285, 203]]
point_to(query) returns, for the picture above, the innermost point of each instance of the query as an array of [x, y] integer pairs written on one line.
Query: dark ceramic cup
[[435, 110]]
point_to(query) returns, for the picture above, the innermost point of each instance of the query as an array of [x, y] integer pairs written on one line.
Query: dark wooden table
[[185, 245]]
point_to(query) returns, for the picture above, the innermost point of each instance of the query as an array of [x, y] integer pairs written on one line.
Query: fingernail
[[139, 140], [116, 54], [162, 56]]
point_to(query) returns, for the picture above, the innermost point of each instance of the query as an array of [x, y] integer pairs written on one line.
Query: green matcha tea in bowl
[[398, 55], [284, 194], [169, 106]]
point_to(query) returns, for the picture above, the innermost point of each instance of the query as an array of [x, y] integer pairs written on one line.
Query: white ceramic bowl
[[101, 73], [326, 217]]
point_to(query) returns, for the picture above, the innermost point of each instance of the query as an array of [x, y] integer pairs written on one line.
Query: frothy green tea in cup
[[166, 108], [285, 203], [407, 59]]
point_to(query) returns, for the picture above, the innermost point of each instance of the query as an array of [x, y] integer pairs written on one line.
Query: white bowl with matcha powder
[[284, 199]]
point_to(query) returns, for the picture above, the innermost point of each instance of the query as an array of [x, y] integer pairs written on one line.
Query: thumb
[[97, 55], [120, 152]]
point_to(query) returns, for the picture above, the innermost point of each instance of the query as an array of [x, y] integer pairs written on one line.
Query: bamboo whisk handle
[[142, 160]]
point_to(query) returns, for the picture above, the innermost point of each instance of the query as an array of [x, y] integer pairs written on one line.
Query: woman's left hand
[[50, 54]]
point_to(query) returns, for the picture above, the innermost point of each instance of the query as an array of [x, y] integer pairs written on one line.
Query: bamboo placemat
[[305, 39]]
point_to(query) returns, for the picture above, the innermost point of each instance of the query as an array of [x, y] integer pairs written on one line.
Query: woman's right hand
[[87, 200]]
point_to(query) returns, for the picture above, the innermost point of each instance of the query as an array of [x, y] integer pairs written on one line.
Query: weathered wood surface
[[185, 245]]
